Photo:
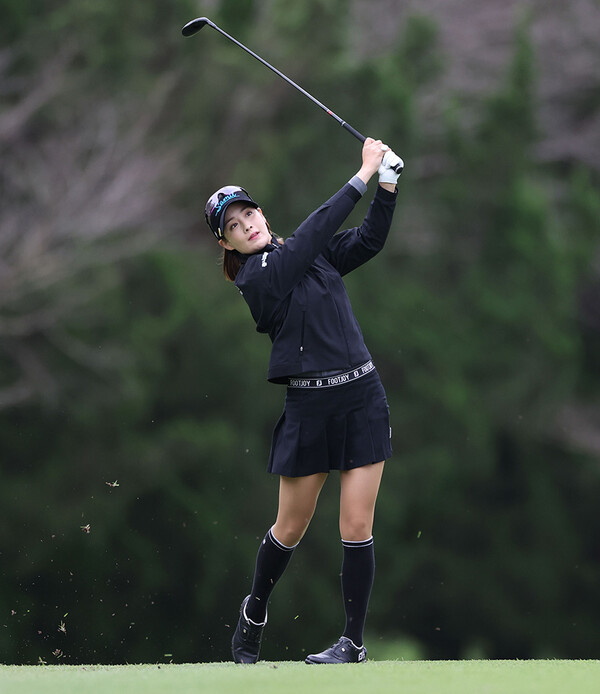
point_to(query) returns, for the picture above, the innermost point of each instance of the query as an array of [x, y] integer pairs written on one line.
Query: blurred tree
[[79, 196], [483, 353]]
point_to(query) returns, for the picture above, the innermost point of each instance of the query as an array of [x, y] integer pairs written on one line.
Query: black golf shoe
[[245, 644], [344, 651]]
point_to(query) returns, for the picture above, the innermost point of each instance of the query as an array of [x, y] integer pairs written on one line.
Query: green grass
[[373, 677]]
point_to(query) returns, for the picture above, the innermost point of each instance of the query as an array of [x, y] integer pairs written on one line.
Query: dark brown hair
[[231, 264], [232, 261]]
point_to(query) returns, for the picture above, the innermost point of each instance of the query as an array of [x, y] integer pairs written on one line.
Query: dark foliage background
[[134, 413]]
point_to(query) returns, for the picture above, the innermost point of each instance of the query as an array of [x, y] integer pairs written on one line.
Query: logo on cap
[[225, 200]]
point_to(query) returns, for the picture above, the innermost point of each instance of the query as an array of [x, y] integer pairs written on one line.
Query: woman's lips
[[253, 235]]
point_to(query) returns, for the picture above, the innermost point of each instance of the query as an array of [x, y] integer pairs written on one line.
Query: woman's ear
[[225, 244]]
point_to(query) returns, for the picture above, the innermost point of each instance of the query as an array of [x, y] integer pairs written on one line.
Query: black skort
[[338, 428]]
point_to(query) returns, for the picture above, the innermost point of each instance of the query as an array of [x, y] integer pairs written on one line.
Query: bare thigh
[[297, 502], [358, 493]]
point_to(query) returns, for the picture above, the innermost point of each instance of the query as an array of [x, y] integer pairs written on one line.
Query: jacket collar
[[274, 245]]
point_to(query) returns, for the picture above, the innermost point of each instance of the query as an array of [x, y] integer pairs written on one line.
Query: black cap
[[219, 202]]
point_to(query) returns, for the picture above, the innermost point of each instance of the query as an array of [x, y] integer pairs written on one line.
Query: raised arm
[[284, 269]]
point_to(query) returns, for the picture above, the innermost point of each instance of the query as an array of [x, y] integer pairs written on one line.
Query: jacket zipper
[[302, 333], [341, 324]]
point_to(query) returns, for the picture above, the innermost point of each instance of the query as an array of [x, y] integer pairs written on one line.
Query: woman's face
[[245, 229]]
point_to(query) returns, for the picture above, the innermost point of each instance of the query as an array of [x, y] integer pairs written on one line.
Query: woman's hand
[[372, 154]]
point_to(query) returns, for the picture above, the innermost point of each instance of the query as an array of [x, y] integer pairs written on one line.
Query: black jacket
[[296, 293]]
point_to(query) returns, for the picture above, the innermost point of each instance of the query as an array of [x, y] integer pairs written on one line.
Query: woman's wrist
[[365, 174]]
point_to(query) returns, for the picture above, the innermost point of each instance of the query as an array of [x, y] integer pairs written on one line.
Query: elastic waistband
[[331, 381]]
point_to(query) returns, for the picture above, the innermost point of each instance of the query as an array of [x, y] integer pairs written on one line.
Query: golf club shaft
[[196, 24]]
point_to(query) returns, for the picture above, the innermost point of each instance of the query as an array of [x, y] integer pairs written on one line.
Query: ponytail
[[232, 262]]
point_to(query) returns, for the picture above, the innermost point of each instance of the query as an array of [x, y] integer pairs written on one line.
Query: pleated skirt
[[337, 428]]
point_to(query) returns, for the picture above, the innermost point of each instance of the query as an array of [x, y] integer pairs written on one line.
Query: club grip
[[353, 131]]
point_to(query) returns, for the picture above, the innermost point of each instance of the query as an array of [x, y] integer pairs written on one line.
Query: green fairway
[[410, 677]]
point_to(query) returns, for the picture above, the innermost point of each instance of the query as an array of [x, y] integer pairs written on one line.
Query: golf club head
[[195, 25]]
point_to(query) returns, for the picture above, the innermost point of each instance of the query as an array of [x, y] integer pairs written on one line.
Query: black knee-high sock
[[271, 561], [358, 572]]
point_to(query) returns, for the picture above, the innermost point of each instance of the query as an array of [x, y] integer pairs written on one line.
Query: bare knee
[[297, 502], [289, 533], [356, 528]]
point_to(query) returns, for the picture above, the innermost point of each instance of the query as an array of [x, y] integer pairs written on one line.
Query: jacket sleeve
[[349, 249], [281, 271]]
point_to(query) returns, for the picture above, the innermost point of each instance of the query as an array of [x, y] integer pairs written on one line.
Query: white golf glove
[[385, 171]]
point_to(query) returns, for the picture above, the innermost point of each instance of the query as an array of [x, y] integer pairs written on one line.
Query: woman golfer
[[336, 415]]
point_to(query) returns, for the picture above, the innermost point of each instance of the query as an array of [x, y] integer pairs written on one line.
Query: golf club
[[196, 24]]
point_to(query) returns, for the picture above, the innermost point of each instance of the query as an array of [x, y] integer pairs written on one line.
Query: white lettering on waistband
[[336, 380]]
